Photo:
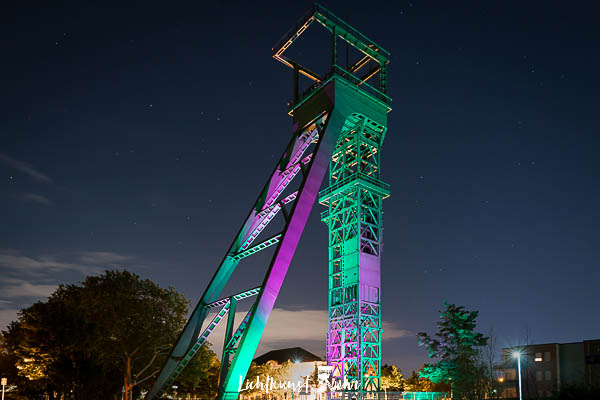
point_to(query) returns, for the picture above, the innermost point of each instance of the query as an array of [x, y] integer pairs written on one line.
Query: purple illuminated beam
[[283, 256], [271, 191]]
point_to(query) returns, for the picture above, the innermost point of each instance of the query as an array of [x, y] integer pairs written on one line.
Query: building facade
[[546, 368]]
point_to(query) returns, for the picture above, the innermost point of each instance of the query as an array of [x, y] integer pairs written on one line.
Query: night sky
[[138, 135]]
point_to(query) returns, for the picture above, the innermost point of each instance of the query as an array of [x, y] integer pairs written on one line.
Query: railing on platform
[[424, 396], [340, 72], [383, 395], [355, 176]]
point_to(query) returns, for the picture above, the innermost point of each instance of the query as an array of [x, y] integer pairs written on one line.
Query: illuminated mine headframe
[[339, 122]]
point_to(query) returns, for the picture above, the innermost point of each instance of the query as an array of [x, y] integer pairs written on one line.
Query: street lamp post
[[517, 355]]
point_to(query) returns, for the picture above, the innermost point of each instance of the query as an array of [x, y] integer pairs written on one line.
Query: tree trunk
[[127, 383]]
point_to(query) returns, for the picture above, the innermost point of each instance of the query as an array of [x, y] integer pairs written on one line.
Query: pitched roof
[[294, 354]]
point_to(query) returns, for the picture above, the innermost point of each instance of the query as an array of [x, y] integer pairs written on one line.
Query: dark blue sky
[[138, 135]]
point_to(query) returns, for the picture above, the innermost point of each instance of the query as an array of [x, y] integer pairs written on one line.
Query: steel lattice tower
[[354, 198], [339, 122]]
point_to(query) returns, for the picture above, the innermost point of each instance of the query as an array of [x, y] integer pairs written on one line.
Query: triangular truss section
[[296, 162]]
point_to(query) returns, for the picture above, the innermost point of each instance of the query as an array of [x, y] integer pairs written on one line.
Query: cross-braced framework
[[339, 121], [354, 198]]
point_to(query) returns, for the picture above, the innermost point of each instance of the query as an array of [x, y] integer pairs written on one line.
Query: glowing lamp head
[[516, 354]]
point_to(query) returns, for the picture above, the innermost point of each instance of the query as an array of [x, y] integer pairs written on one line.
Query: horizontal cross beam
[[255, 249], [238, 296]]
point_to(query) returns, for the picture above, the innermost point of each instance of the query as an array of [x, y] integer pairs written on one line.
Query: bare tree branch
[[148, 377], [156, 354]]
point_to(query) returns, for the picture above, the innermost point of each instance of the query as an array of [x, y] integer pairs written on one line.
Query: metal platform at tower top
[[339, 123], [339, 30]]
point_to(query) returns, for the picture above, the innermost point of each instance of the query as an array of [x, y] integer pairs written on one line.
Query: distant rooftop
[[547, 344], [294, 354]]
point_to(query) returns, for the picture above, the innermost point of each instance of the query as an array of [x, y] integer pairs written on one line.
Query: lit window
[[538, 375], [548, 375], [538, 357], [547, 356]]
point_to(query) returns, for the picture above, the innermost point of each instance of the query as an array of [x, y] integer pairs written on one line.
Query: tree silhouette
[[456, 348]]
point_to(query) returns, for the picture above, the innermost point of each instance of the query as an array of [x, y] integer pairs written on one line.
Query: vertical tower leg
[[225, 358], [354, 198]]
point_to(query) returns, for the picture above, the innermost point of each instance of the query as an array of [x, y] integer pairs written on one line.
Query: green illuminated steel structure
[[338, 122], [354, 219]]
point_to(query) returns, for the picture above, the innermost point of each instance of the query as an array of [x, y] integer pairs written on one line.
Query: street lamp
[[517, 355]]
